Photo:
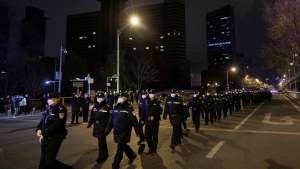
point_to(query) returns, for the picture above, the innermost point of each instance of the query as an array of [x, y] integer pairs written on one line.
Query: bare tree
[[283, 30], [141, 70]]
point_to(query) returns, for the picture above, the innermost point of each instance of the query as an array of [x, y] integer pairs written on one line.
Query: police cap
[[100, 94], [152, 91], [52, 95], [123, 94], [173, 91], [144, 92]]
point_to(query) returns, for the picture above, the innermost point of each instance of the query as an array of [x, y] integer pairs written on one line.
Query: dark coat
[[86, 104], [99, 118], [76, 102], [122, 120], [153, 108], [175, 109]]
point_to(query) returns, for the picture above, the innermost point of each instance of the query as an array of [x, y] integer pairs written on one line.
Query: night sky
[[248, 16]]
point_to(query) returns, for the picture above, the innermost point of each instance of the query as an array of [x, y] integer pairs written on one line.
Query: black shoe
[[131, 160], [172, 147], [77, 123]]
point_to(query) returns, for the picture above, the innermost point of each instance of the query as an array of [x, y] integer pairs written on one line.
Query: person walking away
[[85, 107], [194, 105], [75, 108], [100, 115]]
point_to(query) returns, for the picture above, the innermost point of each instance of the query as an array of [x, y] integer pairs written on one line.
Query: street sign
[[78, 84]]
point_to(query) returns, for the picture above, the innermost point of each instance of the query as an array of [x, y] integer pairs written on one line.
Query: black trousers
[[122, 147], [176, 135], [225, 110], [75, 114], [196, 118], [102, 148], [151, 134], [49, 150], [85, 114]]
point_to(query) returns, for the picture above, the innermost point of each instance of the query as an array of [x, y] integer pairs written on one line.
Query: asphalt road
[[264, 136]]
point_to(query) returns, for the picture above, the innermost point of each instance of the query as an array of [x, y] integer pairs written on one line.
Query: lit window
[[147, 48], [84, 37], [156, 47], [89, 46], [130, 38], [94, 33], [178, 33], [94, 46], [222, 32], [80, 37], [161, 37], [161, 50], [161, 47], [134, 48], [169, 34]]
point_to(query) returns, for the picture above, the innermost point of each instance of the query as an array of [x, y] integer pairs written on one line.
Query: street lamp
[[233, 69], [62, 51], [133, 21]]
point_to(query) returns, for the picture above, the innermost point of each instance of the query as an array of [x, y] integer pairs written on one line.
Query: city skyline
[[249, 27]]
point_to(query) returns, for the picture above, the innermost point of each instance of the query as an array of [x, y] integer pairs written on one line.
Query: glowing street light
[[232, 69], [133, 21]]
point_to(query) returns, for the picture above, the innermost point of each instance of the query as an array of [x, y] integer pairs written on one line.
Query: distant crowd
[[15, 105]]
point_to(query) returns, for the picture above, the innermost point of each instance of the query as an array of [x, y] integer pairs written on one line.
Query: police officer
[[174, 109], [217, 107], [142, 107], [194, 104], [85, 107], [225, 103], [122, 120], [52, 131], [99, 118], [75, 105], [151, 117], [208, 108]]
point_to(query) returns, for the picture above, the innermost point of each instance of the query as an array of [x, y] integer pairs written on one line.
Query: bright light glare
[[233, 69], [134, 20]]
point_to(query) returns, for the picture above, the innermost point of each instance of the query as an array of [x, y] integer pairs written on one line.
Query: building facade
[[33, 30], [220, 30], [4, 32]]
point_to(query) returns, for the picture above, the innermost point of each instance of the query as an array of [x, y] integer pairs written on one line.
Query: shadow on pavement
[[274, 165], [152, 161]]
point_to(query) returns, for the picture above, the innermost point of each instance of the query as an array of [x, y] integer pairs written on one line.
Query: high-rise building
[[162, 37], [220, 38], [4, 32], [111, 11], [33, 30], [84, 37]]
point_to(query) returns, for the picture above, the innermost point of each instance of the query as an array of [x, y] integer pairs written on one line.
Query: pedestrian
[[194, 105], [51, 132], [75, 108], [7, 105], [122, 120], [174, 109], [208, 108], [85, 107], [100, 115], [16, 104], [151, 118]]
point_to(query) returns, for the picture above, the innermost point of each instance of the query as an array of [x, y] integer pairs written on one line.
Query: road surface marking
[[244, 121], [292, 104], [248, 131], [286, 121], [215, 150]]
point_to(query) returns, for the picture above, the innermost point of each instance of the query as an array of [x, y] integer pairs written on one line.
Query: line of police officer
[[52, 127]]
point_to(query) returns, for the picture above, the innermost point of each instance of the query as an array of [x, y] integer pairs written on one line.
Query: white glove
[[39, 133], [41, 139]]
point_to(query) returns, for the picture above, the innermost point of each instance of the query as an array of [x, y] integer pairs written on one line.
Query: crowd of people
[[114, 111], [15, 105]]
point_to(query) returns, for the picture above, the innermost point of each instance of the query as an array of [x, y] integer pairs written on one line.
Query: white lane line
[[244, 121], [292, 104], [215, 150]]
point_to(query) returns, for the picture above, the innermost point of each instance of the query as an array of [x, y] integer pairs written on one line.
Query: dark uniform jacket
[[174, 108], [53, 122], [122, 120], [153, 108], [194, 103], [99, 118], [142, 108], [76, 103], [86, 103]]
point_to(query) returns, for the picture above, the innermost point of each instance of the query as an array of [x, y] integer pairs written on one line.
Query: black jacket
[[122, 120], [99, 118]]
